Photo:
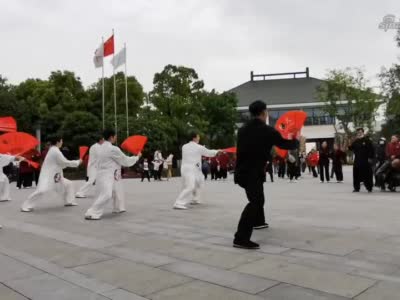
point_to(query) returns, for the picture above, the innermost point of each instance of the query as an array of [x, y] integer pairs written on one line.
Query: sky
[[223, 40]]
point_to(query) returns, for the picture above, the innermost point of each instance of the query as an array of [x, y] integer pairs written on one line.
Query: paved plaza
[[325, 243]]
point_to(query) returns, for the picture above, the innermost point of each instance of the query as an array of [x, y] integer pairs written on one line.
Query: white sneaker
[[183, 207], [321, 181], [195, 202], [80, 196], [91, 218], [26, 209]]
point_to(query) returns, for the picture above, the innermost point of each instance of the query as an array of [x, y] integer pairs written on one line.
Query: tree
[[220, 112], [176, 97], [390, 85], [80, 128], [348, 99]]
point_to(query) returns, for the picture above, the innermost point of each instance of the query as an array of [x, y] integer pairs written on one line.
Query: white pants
[[5, 189], [193, 180], [65, 190], [84, 190], [108, 188]]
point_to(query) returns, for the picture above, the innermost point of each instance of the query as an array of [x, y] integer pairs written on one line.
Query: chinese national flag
[[109, 46]]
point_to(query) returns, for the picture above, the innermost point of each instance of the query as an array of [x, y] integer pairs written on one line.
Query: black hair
[[360, 129], [54, 140], [257, 108], [193, 135], [107, 133]]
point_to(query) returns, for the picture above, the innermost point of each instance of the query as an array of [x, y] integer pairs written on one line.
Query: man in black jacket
[[363, 150], [254, 142]]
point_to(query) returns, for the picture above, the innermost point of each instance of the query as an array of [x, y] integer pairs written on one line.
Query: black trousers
[[282, 170], [338, 170], [223, 173], [205, 173], [146, 174], [314, 172], [271, 174], [292, 171], [362, 173], [324, 170], [253, 213], [214, 173], [25, 180]]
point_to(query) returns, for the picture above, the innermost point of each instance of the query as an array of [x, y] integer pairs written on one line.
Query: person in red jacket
[[393, 148]]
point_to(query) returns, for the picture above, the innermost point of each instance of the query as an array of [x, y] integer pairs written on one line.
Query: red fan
[[17, 143], [230, 150], [281, 152], [290, 125], [8, 124], [134, 144], [83, 150], [34, 164]]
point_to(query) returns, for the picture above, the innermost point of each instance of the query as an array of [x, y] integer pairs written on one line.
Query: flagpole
[[126, 94], [102, 80], [115, 94]]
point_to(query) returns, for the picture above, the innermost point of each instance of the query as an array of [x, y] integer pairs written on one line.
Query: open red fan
[[290, 125], [17, 143], [230, 150], [83, 150], [8, 124], [134, 144]]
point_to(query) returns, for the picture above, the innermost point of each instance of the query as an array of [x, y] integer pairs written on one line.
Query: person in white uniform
[[5, 160], [108, 177], [192, 176], [52, 179], [91, 169]]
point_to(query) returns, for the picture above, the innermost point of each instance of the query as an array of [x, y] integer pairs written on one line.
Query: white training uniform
[[108, 179], [4, 182], [52, 179], [191, 173], [91, 170]]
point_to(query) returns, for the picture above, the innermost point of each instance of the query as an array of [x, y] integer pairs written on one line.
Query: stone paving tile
[[120, 294], [13, 269], [140, 256], [79, 257], [275, 268], [58, 271], [234, 280], [290, 292], [339, 263], [8, 294], [375, 256], [198, 290], [136, 278], [382, 291], [48, 287]]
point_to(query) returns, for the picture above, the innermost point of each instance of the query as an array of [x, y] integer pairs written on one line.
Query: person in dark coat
[[338, 158], [324, 162], [254, 143], [363, 150]]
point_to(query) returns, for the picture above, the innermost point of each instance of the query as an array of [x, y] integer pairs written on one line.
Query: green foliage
[[348, 98], [177, 104], [390, 85]]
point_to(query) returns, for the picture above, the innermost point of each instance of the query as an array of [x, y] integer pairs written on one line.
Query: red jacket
[[393, 149]]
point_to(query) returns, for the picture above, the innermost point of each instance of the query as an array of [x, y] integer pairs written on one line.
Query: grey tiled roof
[[278, 91]]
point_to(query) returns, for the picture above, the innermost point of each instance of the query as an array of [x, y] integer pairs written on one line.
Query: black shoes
[[356, 191], [246, 245], [265, 225]]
